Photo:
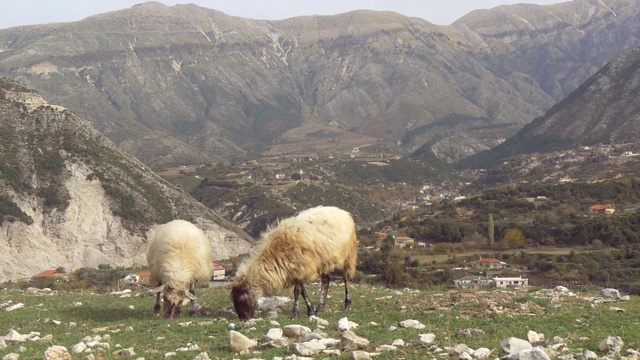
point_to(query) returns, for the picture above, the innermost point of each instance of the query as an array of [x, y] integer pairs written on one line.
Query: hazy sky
[[442, 12]]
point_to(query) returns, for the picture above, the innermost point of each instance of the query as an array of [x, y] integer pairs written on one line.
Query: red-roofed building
[[491, 263], [51, 274], [602, 209], [46, 273], [218, 272]]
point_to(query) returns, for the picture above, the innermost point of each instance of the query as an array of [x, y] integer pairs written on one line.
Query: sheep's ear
[[157, 289]]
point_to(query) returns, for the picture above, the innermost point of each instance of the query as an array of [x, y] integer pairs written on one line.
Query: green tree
[[512, 239]]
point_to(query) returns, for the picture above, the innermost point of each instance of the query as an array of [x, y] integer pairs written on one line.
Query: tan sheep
[[316, 242], [179, 255]]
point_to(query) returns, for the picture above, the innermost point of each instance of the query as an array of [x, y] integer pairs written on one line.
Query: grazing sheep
[[315, 242], [179, 255]]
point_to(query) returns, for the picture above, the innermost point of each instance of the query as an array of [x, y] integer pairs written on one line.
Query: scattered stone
[[239, 342], [534, 337], [481, 353], [14, 337], [125, 352], [360, 355], [392, 328], [412, 324], [309, 348], [589, 355], [274, 334], [57, 352], [3, 344], [14, 307], [78, 348], [616, 309], [295, 330], [350, 341], [470, 332], [512, 345], [532, 354], [612, 293], [386, 348], [612, 344], [319, 321], [11, 356], [202, 356], [398, 343], [344, 324], [272, 303], [424, 339]]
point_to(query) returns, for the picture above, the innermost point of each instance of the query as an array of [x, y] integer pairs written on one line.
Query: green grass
[[444, 314]]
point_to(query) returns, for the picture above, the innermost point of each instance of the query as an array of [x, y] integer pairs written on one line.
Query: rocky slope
[[187, 84], [70, 198], [603, 110]]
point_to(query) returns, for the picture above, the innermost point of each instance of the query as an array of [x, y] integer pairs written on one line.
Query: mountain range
[[186, 84]]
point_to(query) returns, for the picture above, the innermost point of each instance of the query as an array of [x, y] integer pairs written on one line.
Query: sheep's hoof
[[311, 313], [193, 312], [294, 315], [347, 304], [156, 309]]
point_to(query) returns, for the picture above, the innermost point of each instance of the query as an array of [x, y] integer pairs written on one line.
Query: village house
[[473, 282], [491, 263], [602, 209], [476, 282], [52, 274], [218, 272], [398, 241], [511, 282]]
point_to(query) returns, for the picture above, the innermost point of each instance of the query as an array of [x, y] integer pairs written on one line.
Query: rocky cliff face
[[70, 198], [186, 84]]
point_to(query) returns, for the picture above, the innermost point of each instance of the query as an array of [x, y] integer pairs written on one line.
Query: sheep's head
[[173, 299], [245, 300]]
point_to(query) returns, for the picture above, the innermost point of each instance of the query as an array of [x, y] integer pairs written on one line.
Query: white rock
[[512, 345], [239, 342], [360, 355], [319, 321], [561, 289], [412, 324], [589, 355], [612, 293], [332, 352], [57, 352], [350, 341], [295, 330], [309, 348], [386, 348], [398, 342], [78, 348], [14, 337], [533, 354], [125, 352], [612, 344], [534, 337], [14, 307], [202, 356], [274, 334], [344, 324], [481, 353], [424, 339], [392, 328], [11, 356], [3, 344]]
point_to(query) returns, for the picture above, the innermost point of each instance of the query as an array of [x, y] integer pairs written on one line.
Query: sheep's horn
[[190, 296], [157, 289]]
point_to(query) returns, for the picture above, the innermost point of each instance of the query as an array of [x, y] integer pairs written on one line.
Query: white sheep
[[179, 255], [315, 242]]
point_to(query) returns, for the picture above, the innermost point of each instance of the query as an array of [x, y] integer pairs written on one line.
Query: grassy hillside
[[581, 322]]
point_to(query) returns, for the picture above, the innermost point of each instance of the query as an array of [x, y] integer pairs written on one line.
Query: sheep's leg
[[324, 290], [156, 307], [193, 309], [296, 293], [347, 299], [310, 311]]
